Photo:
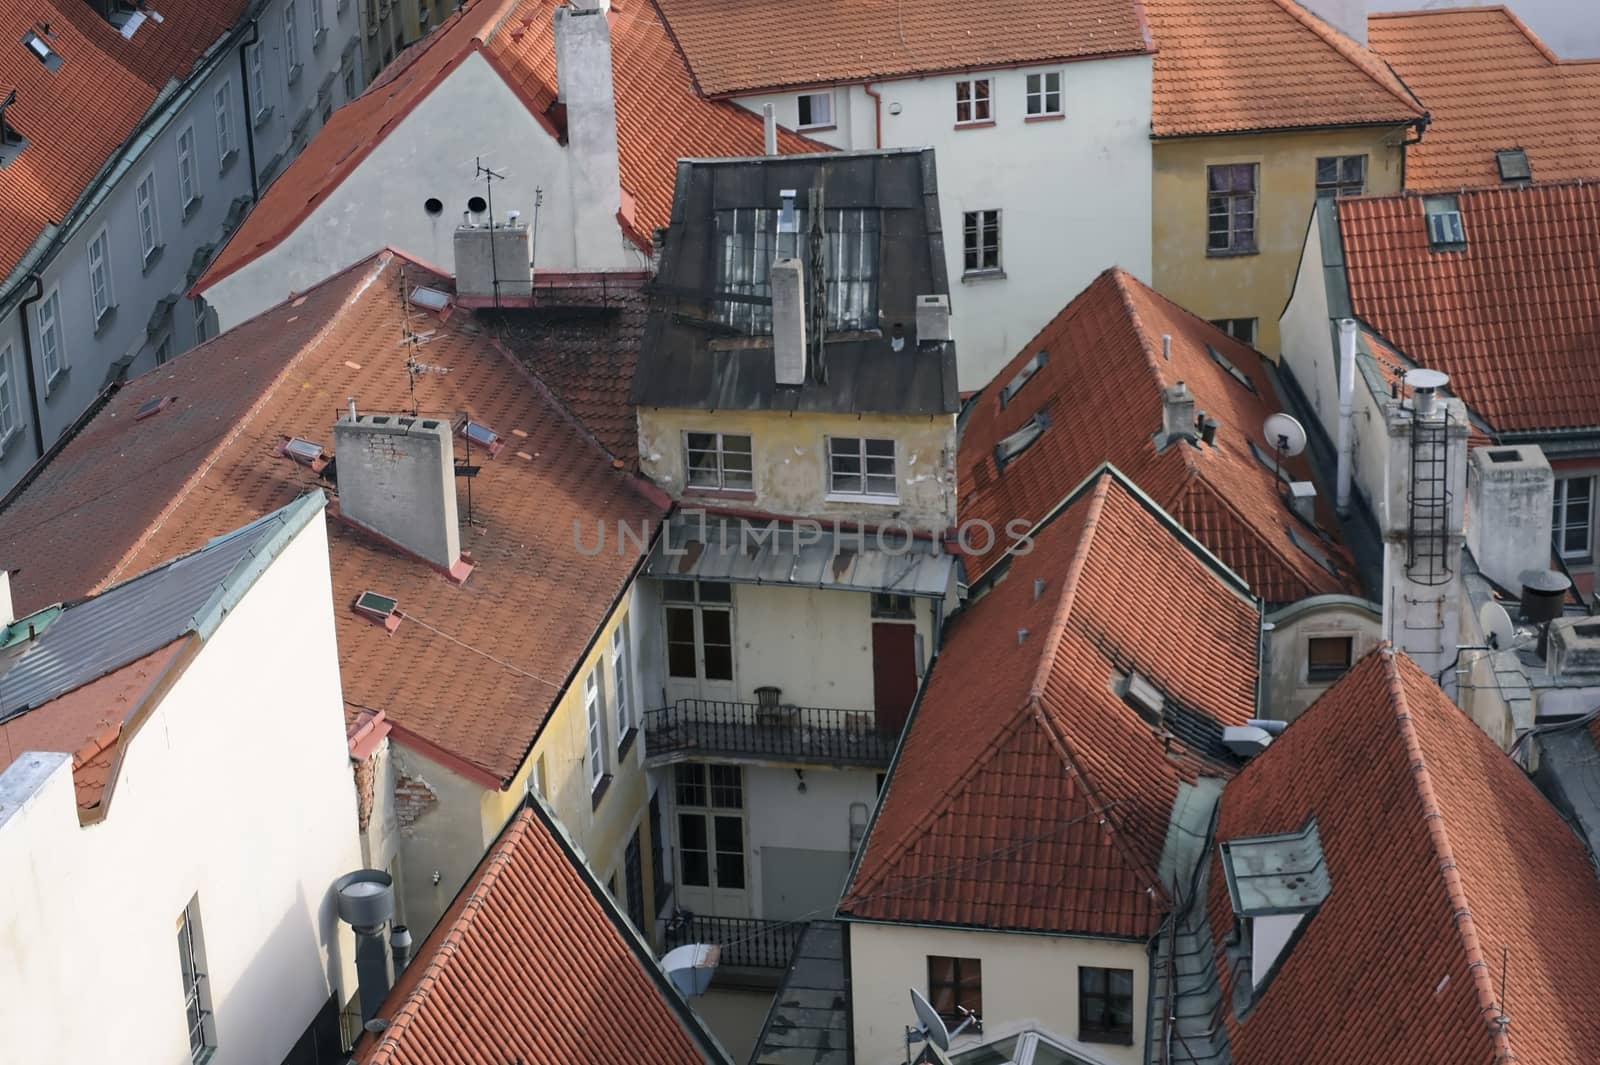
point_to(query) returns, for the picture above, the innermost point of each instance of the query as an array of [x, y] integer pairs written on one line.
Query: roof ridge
[[1350, 51], [1439, 836], [1122, 278]]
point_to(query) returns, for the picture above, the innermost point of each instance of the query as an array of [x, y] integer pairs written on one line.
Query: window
[[222, 103], [100, 275], [816, 110], [659, 884], [974, 101], [980, 240], [621, 660], [749, 241], [200, 322], [1513, 165], [258, 84], [719, 461], [1227, 364], [291, 39], [164, 350], [318, 26], [955, 984], [196, 987], [1443, 214], [1574, 514], [1023, 376], [1044, 94], [51, 353], [42, 51], [594, 705], [710, 825], [633, 880], [1105, 1005], [889, 605], [8, 397], [144, 197], [1327, 657], [699, 630], [1015, 443], [1241, 329], [862, 466], [1231, 209], [349, 83], [1342, 175], [186, 185]]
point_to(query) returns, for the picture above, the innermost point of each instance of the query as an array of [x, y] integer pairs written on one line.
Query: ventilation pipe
[[365, 899], [400, 948], [769, 130], [1347, 389]]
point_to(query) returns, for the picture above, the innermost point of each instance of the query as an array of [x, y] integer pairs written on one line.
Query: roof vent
[[1246, 740], [1139, 692], [365, 901], [1424, 386], [933, 319], [1513, 165], [1303, 501]]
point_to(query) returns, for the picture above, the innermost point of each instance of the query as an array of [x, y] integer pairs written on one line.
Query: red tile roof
[[660, 117], [530, 964], [1225, 66], [1490, 83], [75, 117], [1513, 318], [1038, 799], [1449, 873], [1102, 390], [759, 45], [473, 669]]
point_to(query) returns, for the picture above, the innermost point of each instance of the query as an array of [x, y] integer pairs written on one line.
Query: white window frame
[[1561, 525], [594, 706], [258, 84], [719, 449], [144, 198], [800, 105], [968, 96], [291, 38], [101, 296], [840, 447], [1039, 98], [976, 222], [196, 988], [52, 349], [188, 186], [8, 397], [222, 107], [621, 690], [200, 323], [319, 22]]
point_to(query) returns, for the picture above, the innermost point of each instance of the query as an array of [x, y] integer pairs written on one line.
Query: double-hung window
[[1341, 175], [980, 241], [816, 110], [954, 985], [594, 706], [719, 461], [1574, 517], [144, 196], [258, 84], [187, 189], [862, 467], [1044, 94], [974, 101], [1105, 1005], [52, 354], [222, 104], [291, 40], [196, 986], [8, 397], [710, 805], [1231, 209], [100, 274], [621, 690], [699, 630]]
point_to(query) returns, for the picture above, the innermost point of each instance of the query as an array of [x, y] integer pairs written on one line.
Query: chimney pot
[[1208, 430], [1166, 348], [1038, 588]]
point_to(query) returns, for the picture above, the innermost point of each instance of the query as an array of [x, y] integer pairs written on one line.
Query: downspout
[[27, 362], [877, 114], [249, 109], [1347, 389]]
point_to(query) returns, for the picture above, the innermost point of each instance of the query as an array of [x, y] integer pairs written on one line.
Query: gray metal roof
[[1278, 874], [191, 593], [800, 556]]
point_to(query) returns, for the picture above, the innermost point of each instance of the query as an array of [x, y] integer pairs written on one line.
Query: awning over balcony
[[754, 551]]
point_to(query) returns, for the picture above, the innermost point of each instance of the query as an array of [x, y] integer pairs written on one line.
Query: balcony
[[700, 728], [746, 942]]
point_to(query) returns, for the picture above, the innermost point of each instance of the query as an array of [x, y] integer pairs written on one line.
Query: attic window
[[1312, 551], [1139, 692], [380, 609], [151, 407], [307, 453], [1513, 164], [1445, 230], [11, 140], [483, 436], [430, 299], [1268, 460], [1024, 375], [41, 49], [1011, 446], [1233, 371]]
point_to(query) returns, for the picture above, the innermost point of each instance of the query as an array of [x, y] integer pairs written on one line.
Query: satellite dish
[[691, 967], [933, 1026], [1496, 625], [1426, 379], [1286, 434]]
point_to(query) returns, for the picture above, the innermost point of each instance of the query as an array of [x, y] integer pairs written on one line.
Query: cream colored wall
[[1251, 286], [1028, 981], [1288, 689], [790, 459]]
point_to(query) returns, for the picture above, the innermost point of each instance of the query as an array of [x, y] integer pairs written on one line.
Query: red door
[[894, 674]]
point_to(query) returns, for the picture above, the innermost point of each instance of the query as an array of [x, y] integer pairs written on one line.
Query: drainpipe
[[249, 109], [1347, 389], [27, 362], [877, 114]]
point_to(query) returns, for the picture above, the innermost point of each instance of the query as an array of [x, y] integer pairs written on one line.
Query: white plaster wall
[[1307, 338], [238, 789], [1289, 690], [780, 815], [1074, 194], [472, 114], [1028, 981]]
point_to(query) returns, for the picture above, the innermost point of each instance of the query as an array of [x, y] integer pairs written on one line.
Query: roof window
[[151, 407], [11, 139], [1513, 164], [1015, 444], [1141, 693], [1312, 552], [1445, 230], [1269, 461], [429, 299], [480, 434], [307, 453], [1233, 371], [1024, 375], [381, 609], [37, 43]]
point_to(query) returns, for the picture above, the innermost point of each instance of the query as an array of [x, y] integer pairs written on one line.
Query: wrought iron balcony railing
[[746, 942], [787, 733]]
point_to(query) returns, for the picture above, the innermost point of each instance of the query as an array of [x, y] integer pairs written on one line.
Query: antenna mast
[[490, 176], [411, 340]]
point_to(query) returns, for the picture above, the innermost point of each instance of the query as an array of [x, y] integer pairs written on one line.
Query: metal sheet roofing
[[1278, 873]]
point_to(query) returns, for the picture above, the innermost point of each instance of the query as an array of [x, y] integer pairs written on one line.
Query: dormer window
[[1233, 371], [1142, 694], [1445, 231], [1023, 376], [1513, 165], [307, 453], [1274, 883], [1016, 443], [11, 140]]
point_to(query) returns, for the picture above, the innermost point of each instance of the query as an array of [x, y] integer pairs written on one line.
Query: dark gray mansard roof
[[690, 363]]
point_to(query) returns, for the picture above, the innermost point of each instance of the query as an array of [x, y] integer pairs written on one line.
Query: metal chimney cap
[[1426, 380], [1546, 581], [365, 898]]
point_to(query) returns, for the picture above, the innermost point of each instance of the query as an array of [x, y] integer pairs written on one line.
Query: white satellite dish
[[691, 967], [933, 1027], [1496, 625], [1285, 434]]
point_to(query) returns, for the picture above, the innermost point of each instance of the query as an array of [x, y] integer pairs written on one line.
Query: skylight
[[1015, 444], [430, 298], [1029, 368], [42, 51], [1312, 551], [379, 608], [307, 453], [1139, 692], [1444, 222], [1266, 459], [1513, 164], [483, 436], [153, 406], [1233, 371]]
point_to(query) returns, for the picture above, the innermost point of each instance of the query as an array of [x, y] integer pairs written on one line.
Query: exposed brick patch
[[366, 774], [412, 798]]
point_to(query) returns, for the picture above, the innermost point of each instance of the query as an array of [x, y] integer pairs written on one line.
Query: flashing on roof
[[380, 609], [1016, 443], [1513, 165], [1445, 231], [480, 434], [307, 453], [1029, 368], [151, 407], [1233, 371], [36, 43], [1311, 550]]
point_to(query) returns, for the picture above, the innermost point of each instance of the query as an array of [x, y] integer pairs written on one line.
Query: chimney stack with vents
[[1177, 414], [788, 322], [397, 478], [933, 319], [1510, 500], [584, 81]]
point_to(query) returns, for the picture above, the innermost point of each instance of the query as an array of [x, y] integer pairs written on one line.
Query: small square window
[[974, 101], [816, 110], [1341, 175], [1328, 657], [889, 605], [862, 466], [689, 784], [720, 462], [1240, 329], [1445, 228]]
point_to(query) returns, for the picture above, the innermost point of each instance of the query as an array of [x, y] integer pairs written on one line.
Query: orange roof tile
[[759, 45], [75, 117], [531, 964], [660, 117], [1039, 799], [1513, 317], [473, 669], [1444, 861], [1489, 83], [1226, 66], [1102, 391]]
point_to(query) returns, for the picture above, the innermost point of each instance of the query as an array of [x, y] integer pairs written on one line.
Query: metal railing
[[746, 942], [804, 733]]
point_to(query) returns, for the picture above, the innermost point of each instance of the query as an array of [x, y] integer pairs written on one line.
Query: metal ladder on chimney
[[1428, 500]]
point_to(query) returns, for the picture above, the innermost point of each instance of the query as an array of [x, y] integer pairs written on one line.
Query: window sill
[[982, 275], [152, 258], [107, 316], [1115, 1038], [8, 436], [263, 116], [1326, 676], [1057, 117], [53, 380], [1230, 253], [295, 72], [191, 207], [601, 787], [229, 157], [985, 124], [318, 39], [627, 742], [746, 494], [816, 129], [861, 497]]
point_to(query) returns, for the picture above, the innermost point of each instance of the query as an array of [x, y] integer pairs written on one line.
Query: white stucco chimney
[[788, 322], [1510, 500], [583, 78], [1347, 16], [1177, 413], [493, 261], [397, 479]]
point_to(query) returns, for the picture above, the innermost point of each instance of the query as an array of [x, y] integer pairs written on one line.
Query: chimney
[[583, 77], [365, 901], [1347, 390], [1303, 501], [933, 319], [1574, 650], [1347, 16], [1510, 498], [397, 479], [1177, 414], [8, 610], [788, 322], [769, 129], [493, 261]]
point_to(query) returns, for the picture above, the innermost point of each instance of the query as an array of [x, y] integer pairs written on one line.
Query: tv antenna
[[931, 1029], [489, 176], [411, 340], [1287, 437]]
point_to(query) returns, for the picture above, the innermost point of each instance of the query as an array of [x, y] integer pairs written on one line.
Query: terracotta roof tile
[[759, 44], [660, 117], [1513, 317], [1489, 83], [469, 662], [75, 117], [1233, 65], [1039, 799], [1441, 855], [530, 965], [1102, 391]]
